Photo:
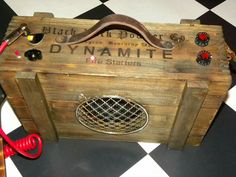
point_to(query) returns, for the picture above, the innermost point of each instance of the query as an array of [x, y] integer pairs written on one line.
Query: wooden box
[[116, 86]]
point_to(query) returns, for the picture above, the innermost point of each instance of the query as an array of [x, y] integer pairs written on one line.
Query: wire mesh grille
[[112, 115]]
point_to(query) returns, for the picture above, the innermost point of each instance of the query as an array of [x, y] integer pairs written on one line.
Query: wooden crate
[[180, 96]]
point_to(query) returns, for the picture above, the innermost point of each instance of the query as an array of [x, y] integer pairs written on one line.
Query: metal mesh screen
[[112, 115]]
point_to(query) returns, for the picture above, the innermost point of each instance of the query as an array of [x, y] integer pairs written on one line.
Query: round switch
[[202, 39], [204, 58]]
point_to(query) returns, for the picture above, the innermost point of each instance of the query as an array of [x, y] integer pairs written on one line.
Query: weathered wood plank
[[155, 65], [43, 14], [20, 108], [64, 116], [2, 160], [9, 85], [219, 88], [213, 101], [16, 100], [217, 93], [114, 71], [30, 126], [79, 131], [190, 22], [192, 100], [71, 106], [201, 125], [70, 87], [36, 102]]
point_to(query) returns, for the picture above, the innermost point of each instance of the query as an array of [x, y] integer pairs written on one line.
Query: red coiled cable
[[23, 145]]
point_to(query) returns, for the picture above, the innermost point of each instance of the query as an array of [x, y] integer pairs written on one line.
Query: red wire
[[23, 145], [3, 46]]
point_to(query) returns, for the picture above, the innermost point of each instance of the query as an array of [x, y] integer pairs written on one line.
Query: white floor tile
[[148, 147], [157, 11], [9, 120], [146, 167], [11, 170], [60, 8], [226, 10], [231, 99]]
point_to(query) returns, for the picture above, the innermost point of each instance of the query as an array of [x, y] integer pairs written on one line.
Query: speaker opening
[[112, 115]]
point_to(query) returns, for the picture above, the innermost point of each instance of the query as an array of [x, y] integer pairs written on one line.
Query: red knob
[[204, 58], [202, 39]]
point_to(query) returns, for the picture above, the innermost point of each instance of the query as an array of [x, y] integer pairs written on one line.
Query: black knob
[[204, 58], [33, 54], [35, 38], [202, 39]]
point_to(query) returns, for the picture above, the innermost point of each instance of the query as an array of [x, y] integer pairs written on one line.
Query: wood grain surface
[[2, 160], [181, 96]]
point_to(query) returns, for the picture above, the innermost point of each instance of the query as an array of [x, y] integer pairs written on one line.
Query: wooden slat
[[66, 114], [30, 126], [192, 100], [43, 14], [152, 91], [184, 56], [2, 160], [72, 130], [201, 125], [217, 93], [9, 85], [190, 22], [213, 101], [36, 102], [20, 108], [16, 100]]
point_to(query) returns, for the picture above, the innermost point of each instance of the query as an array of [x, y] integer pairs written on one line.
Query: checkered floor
[[215, 158]]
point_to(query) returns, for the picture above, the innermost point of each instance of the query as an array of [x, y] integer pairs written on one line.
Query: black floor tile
[[229, 30], [209, 3], [104, 1], [6, 14], [81, 158], [18, 133], [233, 74], [2, 95], [216, 157]]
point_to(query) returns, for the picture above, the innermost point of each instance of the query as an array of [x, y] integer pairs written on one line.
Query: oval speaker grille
[[112, 115]]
